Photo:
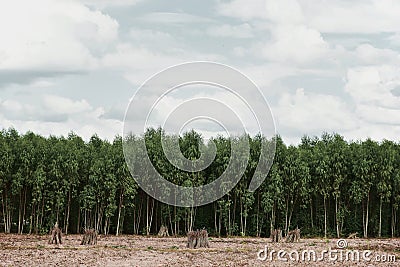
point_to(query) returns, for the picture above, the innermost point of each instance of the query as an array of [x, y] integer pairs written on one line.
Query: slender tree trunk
[[241, 218], [175, 221], [337, 217], [272, 222], [229, 218], [325, 218], [20, 212], [170, 221], [311, 214], [24, 211], [78, 223], [380, 217], [219, 223], [257, 215], [245, 224], [121, 199], [393, 221], [366, 218], [215, 217], [4, 213], [287, 216], [68, 212], [147, 216], [32, 218]]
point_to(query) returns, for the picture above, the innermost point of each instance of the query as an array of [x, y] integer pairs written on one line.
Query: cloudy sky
[[73, 65]]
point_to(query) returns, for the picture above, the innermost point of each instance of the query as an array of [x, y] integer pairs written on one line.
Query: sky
[[323, 66]]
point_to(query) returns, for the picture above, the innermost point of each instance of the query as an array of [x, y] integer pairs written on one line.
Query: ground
[[127, 250]]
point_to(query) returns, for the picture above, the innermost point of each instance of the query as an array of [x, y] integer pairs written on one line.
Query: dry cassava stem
[[89, 237], [198, 239], [163, 231], [55, 235]]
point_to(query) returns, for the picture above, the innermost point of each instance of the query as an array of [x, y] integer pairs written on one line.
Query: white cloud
[[394, 39], [138, 63], [371, 89], [372, 85], [312, 113], [58, 116], [101, 4], [294, 43], [54, 36], [368, 54], [173, 18], [283, 12], [226, 30], [243, 9], [358, 16], [342, 16], [63, 105]]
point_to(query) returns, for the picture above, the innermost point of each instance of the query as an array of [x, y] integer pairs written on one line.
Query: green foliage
[[88, 184]]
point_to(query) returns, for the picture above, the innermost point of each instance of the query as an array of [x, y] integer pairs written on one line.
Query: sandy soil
[[31, 250]]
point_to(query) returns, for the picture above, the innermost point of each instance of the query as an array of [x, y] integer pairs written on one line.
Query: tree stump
[[276, 235], [293, 236], [89, 237], [55, 235], [198, 239], [163, 231]]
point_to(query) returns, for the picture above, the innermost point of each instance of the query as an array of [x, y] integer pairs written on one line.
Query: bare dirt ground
[[33, 250]]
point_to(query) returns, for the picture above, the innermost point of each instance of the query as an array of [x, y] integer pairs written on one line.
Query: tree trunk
[[337, 217], [286, 216], [24, 211], [4, 213], [272, 222], [215, 217], [241, 218], [20, 212], [311, 214], [257, 215], [366, 218], [380, 217], [393, 221], [78, 223], [325, 218], [121, 199], [68, 213]]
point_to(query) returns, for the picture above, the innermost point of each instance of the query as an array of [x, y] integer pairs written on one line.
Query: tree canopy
[[326, 186]]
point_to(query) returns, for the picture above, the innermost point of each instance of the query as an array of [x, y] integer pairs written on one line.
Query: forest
[[326, 186]]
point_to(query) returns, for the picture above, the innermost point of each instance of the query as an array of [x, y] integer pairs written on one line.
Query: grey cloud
[[115, 112], [396, 91], [8, 77]]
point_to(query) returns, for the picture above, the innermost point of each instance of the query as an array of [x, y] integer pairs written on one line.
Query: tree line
[[326, 186]]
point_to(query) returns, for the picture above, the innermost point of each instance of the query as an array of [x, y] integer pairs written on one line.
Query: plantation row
[[325, 186]]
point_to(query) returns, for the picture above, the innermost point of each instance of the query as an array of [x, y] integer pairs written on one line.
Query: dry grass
[[32, 250]]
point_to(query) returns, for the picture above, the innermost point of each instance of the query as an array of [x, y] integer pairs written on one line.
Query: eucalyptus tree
[[102, 178], [295, 178], [395, 181], [337, 149], [323, 174], [127, 186], [364, 173], [8, 160], [75, 167], [190, 144], [385, 172], [56, 185], [307, 147]]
